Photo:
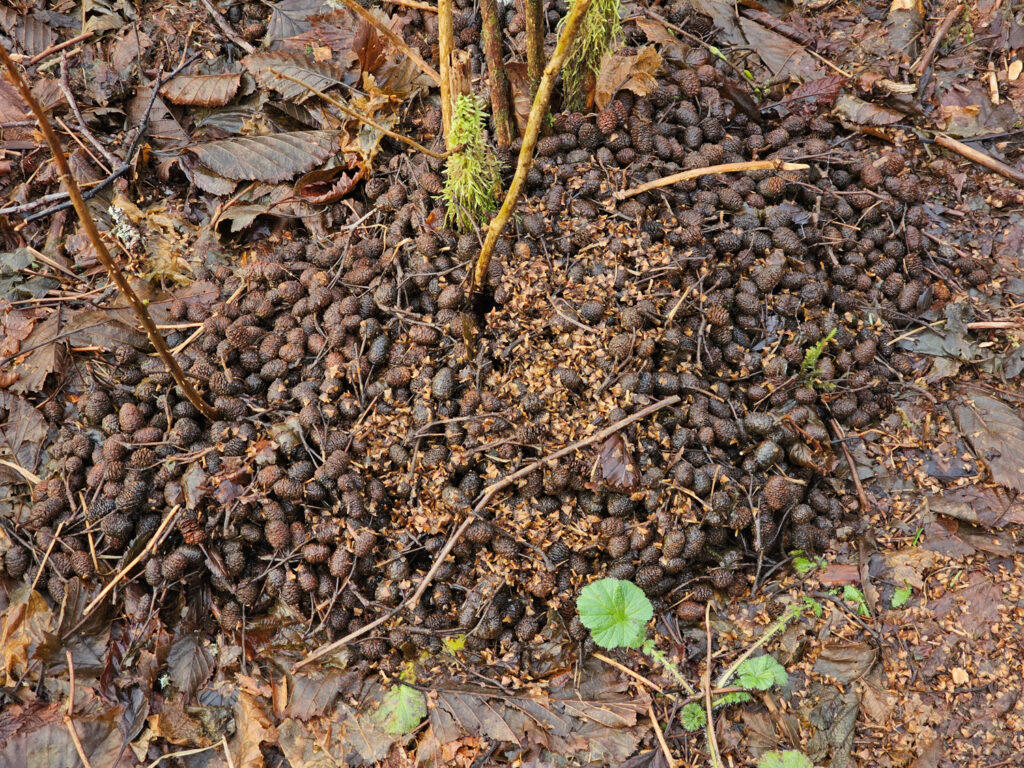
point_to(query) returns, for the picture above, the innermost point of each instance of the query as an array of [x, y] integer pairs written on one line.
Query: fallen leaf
[[23, 432], [907, 566], [327, 185], [302, 748], [655, 31], [202, 90], [996, 432], [862, 112], [987, 507], [46, 352], [931, 756], [270, 158], [780, 54], [519, 85], [31, 34], [321, 75], [631, 72], [26, 623], [313, 695], [289, 18], [845, 661], [189, 663], [959, 676], [252, 728], [51, 745], [821, 92]]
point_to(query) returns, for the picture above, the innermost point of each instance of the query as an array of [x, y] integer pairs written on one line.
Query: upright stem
[[445, 46], [116, 275], [538, 112], [534, 41], [668, 666], [497, 78]]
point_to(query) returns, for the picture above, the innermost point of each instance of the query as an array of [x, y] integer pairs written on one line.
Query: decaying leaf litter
[[259, 219]]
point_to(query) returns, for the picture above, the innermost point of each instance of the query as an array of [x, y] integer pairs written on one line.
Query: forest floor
[[778, 393]]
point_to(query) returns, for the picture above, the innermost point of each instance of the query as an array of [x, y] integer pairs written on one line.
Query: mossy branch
[[539, 110], [600, 28], [89, 225]]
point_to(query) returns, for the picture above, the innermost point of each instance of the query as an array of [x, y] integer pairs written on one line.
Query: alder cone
[[777, 492]]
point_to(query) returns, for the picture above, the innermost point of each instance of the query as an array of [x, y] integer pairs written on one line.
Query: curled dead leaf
[[202, 90], [631, 72]]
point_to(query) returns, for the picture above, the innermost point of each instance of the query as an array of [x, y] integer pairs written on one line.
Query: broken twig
[[979, 157], [940, 35], [696, 173]]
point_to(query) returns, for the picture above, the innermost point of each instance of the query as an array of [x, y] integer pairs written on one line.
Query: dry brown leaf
[[519, 85], [47, 349], [996, 432], [188, 664], [321, 75], [202, 90], [780, 54], [252, 728], [31, 34], [655, 31], [821, 92], [26, 623], [863, 112], [845, 661], [631, 72], [270, 158]]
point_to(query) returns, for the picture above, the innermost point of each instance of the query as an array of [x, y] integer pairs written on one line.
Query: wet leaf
[[402, 709], [22, 435], [863, 112], [270, 158], [987, 507], [303, 749], [996, 432], [654, 30], [327, 185], [290, 17], [312, 695], [631, 72], [845, 661], [252, 728], [202, 90], [188, 663], [821, 92], [27, 622], [615, 467], [31, 34], [321, 75], [51, 745], [780, 54], [900, 596]]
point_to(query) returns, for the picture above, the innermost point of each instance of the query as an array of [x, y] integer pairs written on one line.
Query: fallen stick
[[445, 46], [102, 254], [661, 736], [994, 325], [395, 40], [362, 118], [472, 516], [538, 113], [696, 173], [980, 158], [940, 35], [222, 23], [862, 496], [58, 47], [151, 545]]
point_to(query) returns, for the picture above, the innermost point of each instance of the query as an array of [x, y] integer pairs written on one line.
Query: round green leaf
[[616, 613]]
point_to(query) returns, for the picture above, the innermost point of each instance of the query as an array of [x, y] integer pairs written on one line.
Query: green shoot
[[855, 596], [809, 365], [900, 596], [804, 565], [472, 174], [791, 758], [599, 30]]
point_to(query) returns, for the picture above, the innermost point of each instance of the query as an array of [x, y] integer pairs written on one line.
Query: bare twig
[[226, 28], [58, 47], [538, 112], [151, 545], [49, 549], [862, 497], [705, 680], [89, 225], [445, 46], [979, 157], [937, 38], [661, 736], [395, 40], [414, 4], [65, 88], [32, 477], [488, 493], [497, 79], [994, 325], [534, 42], [696, 173], [635, 675], [362, 118]]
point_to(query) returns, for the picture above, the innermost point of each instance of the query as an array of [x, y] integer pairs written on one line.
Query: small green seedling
[[791, 758], [804, 565], [855, 596], [809, 365], [473, 173], [900, 596]]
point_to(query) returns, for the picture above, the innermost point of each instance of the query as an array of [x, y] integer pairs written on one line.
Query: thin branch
[[413, 4], [362, 118], [696, 173], [940, 35], [89, 225], [226, 28], [151, 545], [661, 736], [979, 157], [488, 493], [534, 42], [862, 497], [705, 679], [445, 46], [58, 47], [538, 112], [65, 88], [497, 79], [397, 41], [635, 675]]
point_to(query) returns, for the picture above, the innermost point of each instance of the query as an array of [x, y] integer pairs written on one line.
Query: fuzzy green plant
[[473, 173], [600, 30]]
